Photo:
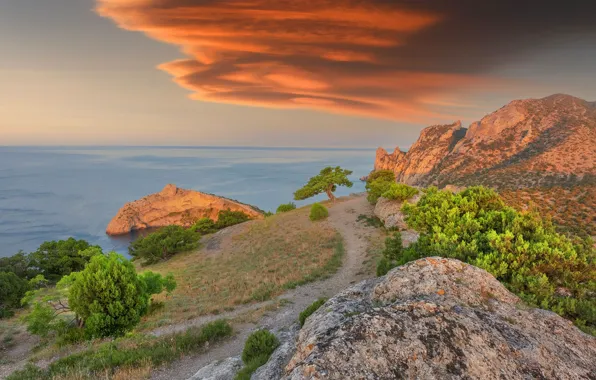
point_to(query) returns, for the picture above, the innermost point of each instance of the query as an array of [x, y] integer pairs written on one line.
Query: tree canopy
[[55, 259], [520, 249], [325, 182], [377, 183]]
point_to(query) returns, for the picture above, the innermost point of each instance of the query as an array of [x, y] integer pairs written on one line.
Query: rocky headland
[[173, 206]]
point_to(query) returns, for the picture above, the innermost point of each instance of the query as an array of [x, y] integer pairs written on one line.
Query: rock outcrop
[[438, 318], [527, 143], [176, 206], [389, 212]]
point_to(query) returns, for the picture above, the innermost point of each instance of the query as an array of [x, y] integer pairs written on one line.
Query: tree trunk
[[330, 194]]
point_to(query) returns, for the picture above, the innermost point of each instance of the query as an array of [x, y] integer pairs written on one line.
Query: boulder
[[219, 370], [175, 206], [389, 211], [438, 318]]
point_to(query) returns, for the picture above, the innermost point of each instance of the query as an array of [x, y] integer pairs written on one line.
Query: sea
[[53, 193]]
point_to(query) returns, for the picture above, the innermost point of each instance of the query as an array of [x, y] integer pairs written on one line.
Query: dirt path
[[343, 217]]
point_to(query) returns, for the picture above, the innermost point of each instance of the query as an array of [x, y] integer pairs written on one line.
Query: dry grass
[[255, 265]]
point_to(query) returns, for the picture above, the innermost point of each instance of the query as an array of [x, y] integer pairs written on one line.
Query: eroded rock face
[[438, 319], [170, 206], [416, 165], [389, 211], [527, 143]]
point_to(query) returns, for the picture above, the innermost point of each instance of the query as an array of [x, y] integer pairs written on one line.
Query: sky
[[342, 73]]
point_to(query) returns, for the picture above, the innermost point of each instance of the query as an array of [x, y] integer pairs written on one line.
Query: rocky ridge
[[173, 205], [438, 318], [433, 318], [527, 143]]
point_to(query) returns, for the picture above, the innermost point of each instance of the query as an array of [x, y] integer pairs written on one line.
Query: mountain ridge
[[527, 144]]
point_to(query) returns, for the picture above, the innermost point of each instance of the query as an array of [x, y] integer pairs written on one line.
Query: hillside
[[528, 147]]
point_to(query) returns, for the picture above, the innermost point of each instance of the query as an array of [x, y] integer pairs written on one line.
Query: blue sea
[[52, 193]]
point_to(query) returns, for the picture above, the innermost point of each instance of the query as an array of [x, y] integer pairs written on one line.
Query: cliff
[[437, 319], [527, 143], [170, 206]]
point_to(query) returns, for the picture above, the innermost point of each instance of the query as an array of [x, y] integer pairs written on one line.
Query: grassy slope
[[254, 265], [258, 262]]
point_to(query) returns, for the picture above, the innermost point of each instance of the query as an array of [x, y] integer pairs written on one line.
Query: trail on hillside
[[343, 216]]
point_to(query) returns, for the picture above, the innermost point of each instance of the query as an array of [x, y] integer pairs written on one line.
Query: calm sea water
[[58, 192]]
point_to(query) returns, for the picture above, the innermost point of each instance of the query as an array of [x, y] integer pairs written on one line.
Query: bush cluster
[[52, 260], [400, 192], [544, 268], [286, 207], [163, 244], [257, 349], [310, 309], [318, 212], [391, 254], [377, 183]]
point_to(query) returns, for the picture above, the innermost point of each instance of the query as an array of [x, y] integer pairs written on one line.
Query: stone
[[219, 370], [173, 206], [438, 318]]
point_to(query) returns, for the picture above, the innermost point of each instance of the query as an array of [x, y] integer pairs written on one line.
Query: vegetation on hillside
[[257, 264], [400, 192], [107, 298], [163, 244], [52, 260], [325, 182], [572, 209], [257, 349], [310, 310], [543, 267], [286, 207], [377, 183], [128, 358], [391, 254], [318, 212]]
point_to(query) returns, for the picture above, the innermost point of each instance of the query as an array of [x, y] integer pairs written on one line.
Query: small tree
[[109, 297], [325, 182], [318, 212], [55, 259], [12, 289]]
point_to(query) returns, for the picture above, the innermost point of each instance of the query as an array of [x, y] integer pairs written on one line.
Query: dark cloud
[[393, 59]]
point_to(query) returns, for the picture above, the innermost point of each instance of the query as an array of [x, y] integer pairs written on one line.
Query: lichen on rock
[[438, 318]]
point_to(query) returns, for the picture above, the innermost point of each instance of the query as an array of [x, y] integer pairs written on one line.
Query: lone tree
[[325, 182]]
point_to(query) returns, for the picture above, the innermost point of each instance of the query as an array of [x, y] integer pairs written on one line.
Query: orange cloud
[[338, 56]]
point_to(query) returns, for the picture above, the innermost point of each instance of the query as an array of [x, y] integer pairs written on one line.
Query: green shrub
[[377, 183], [310, 309], [110, 297], [227, 218], [518, 248], [318, 212], [55, 259], [163, 244], [286, 207], [259, 343], [400, 192], [107, 358], [249, 368], [391, 254], [12, 289], [204, 226]]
